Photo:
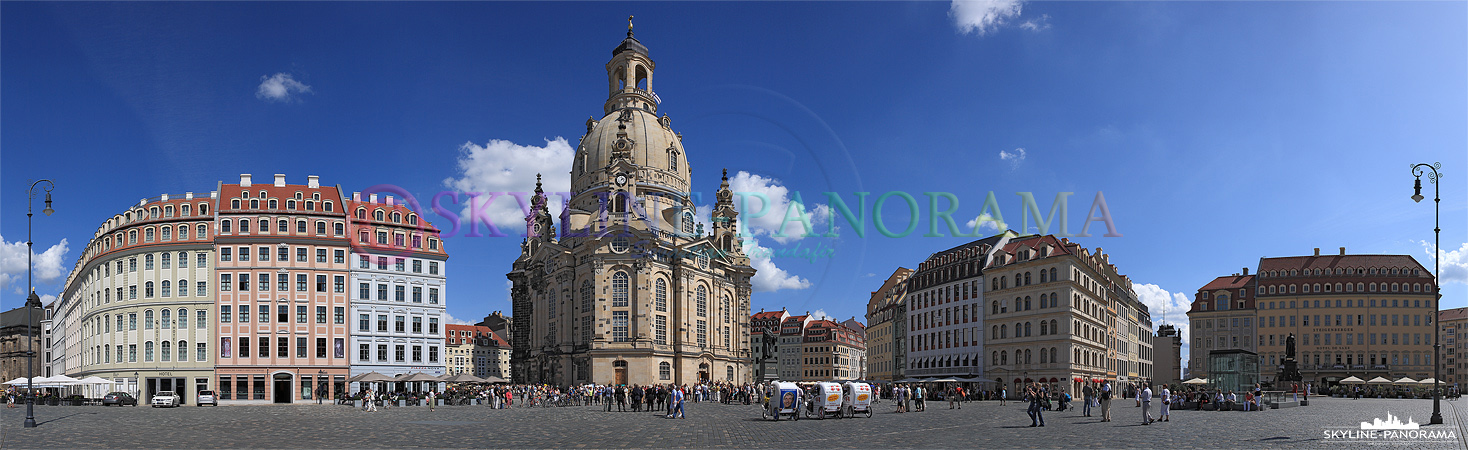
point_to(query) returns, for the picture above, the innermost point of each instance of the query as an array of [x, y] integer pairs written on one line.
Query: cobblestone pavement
[[977, 425]]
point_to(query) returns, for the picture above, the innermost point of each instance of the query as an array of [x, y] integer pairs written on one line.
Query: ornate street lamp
[[1432, 175], [32, 301]]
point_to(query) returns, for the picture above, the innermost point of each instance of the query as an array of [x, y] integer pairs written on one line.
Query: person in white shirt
[[1166, 404], [1145, 398]]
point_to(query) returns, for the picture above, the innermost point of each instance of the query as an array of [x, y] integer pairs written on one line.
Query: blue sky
[[1219, 133]]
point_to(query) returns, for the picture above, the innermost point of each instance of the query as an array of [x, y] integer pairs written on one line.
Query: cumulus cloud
[[820, 314], [748, 189], [768, 277], [982, 17], [46, 299], [1169, 307], [48, 265], [1013, 157], [986, 222], [281, 87], [451, 320], [506, 167], [1454, 264]]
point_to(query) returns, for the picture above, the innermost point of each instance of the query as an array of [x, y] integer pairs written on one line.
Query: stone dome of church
[[630, 130]]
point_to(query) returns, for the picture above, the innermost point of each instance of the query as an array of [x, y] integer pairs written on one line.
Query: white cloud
[[1454, 263], [745, 185], [1015, 157], [47, 299], [1039, 24], [281, 87], [506, 167], [983, 16], [820, 314], [451, 320], [768, 277], [47, 265], [869, 274], [1168, 307], [989, 223]]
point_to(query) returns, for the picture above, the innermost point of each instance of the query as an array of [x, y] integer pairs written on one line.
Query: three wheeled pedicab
[[856, 398], [825, 401], [784, 399]]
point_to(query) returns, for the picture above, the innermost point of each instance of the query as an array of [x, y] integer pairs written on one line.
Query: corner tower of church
[[630, 289]]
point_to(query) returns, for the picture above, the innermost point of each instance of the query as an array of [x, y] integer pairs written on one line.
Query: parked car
[[165, 398], [119, 399], [206, 397]]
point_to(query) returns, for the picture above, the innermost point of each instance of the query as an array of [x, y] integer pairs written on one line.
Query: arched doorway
[[619, 367], [283, 387], [703, 371]]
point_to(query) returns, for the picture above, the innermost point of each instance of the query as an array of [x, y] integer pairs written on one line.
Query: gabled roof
[[1342, 261], [1452, 314]]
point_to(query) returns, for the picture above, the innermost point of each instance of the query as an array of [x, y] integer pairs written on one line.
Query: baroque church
[[629, 289]]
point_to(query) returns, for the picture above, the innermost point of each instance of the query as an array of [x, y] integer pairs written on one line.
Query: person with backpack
[[1087, 394], [1106, 402]]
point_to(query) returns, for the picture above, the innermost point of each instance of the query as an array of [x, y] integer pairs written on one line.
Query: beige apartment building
[[886, 327]]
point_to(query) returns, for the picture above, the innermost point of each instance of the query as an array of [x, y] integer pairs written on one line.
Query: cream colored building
[[1058, 312], [631, 290], [886, 326], [478, 351], [137, 309]]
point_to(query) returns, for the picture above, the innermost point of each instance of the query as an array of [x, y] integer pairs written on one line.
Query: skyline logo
[[1391, 423]]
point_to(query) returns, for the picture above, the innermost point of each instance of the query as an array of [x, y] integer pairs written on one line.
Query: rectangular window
[[382, 263], [400, 293], [382, 292], [283, 282], [417, 266], [300, 282], [224, 255], [417, 324], [224, 283], [432, 325], [364, 352], [301, 314], [340, 257], [283, 347], [283, 314], [433, 267], [264, 282], [321, 255], [364, 322], [264, 316], [282, 253], [132, 353], [244, 313], [400, 353], [660, 330], [417, 353], [264, 347], [320, 347], [364, 262], [364, 291], [244, 282], [300, 347], [264, 253], [703, 333], [301, 254], [201, 319], [321, 283], [400, 324], [224, 316], [320, 314], [398, 264], [433, 296], [339, 315], [417, 294], [381, 322], [244, 253], [382, 352], [433, 354], [201, 288], [339, 284], [619, 326]]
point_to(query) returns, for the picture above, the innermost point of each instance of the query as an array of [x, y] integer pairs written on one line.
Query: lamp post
[[32, 301], [1432, 176]]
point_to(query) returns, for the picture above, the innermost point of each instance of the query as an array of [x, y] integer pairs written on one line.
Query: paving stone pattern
[[977, 425]]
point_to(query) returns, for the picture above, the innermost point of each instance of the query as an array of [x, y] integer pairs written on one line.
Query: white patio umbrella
[[1405, 380], [1379, 380], [1196, 381], [1428, 382], [21, 381], [1353, 380], [92, 383]]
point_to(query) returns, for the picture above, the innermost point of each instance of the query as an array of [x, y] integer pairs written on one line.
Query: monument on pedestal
[[1289, 372]]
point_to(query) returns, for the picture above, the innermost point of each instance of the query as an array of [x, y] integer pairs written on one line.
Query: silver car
[[165, 398], [206, 397]]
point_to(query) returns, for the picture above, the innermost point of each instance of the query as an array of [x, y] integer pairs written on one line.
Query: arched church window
[[702, 295], [619, 289], [660, 295], [687, 223]]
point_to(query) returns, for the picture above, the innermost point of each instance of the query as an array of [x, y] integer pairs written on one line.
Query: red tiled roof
[[229, 192], [1228, 282], [765, 315], [1452, 314], [352, 205], [1341, 261]]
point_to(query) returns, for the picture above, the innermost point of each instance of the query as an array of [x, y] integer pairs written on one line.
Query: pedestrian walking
[[1036, 399], [1086, 393], [429, 397], [1166, 405], [1145, 398], [1106, 402], [1003, 394], [372, 399], [677, 402]]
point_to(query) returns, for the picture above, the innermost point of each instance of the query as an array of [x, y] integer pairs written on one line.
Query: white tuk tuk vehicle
[[826, 401], [785, 398], [856, 398]]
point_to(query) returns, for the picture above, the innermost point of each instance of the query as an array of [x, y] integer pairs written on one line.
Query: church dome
[[631, 131]]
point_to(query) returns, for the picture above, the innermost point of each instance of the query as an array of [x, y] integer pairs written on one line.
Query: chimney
[[389, 200], [213, 194], [142, 202], [279, 180], [356, 196], [188, 196], [244, 180], [313, 181], [1343, 251], [164, 197], [1246, 271], [1317, 251], [372, 198]]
